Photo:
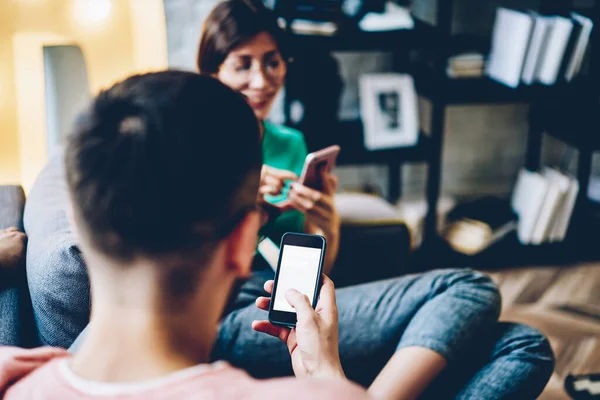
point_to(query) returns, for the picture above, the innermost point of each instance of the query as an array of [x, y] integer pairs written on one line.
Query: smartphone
[[316, 162], [310, 177], [299, 267]]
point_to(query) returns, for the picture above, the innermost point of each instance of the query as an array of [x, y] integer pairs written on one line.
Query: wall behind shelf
[[484, 145]]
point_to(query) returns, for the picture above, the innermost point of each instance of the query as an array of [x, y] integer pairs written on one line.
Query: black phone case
[[274, 313]]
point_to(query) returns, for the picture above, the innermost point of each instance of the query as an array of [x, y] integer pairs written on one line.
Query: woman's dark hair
[[230, 24]]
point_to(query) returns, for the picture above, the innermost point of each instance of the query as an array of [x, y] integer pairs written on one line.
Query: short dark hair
[[230, 24], [163, 163]]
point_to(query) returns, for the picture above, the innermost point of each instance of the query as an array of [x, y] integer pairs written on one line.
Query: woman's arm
[[333, 244], [321, 216]]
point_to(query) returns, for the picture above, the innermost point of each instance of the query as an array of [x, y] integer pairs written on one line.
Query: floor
[[564, 303]]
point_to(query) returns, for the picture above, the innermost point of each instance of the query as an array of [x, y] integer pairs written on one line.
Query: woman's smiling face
[[257, 70]]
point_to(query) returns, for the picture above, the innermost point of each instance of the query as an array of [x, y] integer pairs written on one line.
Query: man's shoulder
[[292, 388], [33, 376], [233, 383]]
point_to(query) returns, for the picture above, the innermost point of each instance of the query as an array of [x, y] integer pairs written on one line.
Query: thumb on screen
[[300, 303]]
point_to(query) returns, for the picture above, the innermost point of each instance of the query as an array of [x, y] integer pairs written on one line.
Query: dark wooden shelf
[[423, 36], [349, 136], [572, 116], [353, 39], [481, 90], [508, 252]]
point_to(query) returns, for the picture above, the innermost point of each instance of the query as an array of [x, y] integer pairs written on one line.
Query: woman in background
[[284, 149], [433, 335]]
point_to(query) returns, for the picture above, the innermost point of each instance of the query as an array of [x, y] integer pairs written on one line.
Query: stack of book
[[468, 65], [544, 202], [309, 17], [531, 48]]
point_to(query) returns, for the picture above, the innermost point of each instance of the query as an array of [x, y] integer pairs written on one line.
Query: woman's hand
[[321, 215], [313, 343], [318, 206], [272, 180]]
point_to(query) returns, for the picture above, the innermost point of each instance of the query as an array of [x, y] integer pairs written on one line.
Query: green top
[[284, 148]]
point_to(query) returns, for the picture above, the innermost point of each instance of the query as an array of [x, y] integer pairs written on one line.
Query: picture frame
[[389, 111]]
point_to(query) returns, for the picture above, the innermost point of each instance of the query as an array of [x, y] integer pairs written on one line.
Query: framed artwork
[[388, 104]]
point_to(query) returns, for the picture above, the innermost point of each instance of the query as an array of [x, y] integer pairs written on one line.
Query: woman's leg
[[440, 311], [404, 331], [514, 362]]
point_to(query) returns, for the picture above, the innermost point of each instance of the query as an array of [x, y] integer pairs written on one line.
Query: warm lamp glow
[[91, 11]]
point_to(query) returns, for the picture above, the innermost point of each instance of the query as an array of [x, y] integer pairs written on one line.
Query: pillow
[[56, 273]]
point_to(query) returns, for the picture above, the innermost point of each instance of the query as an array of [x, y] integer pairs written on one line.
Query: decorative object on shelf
[[476, 225], [466, 65], [393, 17], [389, 111]]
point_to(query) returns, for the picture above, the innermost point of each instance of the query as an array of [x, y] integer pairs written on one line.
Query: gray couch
[[15, 306], [57, 279]]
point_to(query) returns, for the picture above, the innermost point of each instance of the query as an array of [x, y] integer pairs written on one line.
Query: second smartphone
[[299, 267]]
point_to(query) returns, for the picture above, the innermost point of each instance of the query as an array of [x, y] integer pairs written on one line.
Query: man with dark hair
[[163, 173]]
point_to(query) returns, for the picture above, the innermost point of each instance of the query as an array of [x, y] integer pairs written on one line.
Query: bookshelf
[[432, 82], [400, 42]]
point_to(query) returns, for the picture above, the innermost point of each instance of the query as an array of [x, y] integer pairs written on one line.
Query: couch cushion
[[375, 243], [56, 272], [15, 307]]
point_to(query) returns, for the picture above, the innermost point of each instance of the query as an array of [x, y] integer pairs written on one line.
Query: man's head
[[163, 170]]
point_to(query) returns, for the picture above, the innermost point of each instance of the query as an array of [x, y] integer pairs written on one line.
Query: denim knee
[[527, 343], [480, 287]]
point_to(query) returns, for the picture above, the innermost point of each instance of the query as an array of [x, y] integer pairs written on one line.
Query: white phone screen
[[298, 270]]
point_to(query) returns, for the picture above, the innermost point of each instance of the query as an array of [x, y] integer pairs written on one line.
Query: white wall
[[67, 91]]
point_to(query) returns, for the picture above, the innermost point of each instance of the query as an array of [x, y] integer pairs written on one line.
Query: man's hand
[[12, 248], [313, 343]]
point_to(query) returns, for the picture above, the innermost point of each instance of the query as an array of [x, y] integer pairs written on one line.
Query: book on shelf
[[466, 61], [544, 202], [549, 210], [527, 199], [535, 46], [543, 49], [559, 229], [574, 65], [510, 39], [474, 226], [553, 51], [464, 73], [467, 65], [308, 27]]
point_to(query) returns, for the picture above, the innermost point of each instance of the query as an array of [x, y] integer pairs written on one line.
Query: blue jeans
[[453, 312]]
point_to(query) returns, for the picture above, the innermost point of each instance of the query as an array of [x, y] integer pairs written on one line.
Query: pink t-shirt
[[44, 373]]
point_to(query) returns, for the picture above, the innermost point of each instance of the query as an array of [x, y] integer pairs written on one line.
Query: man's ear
[[241, 245]]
